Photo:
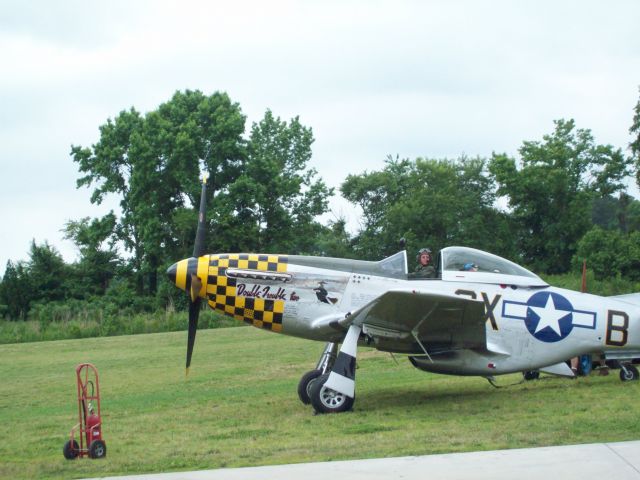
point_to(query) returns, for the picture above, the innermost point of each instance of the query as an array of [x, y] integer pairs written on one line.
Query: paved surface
[[620, 461]]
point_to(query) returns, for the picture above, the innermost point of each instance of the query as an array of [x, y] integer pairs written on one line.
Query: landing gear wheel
[[70, 450], [326, 400], [304, 386], [628, 373], [531, 375], [97, 449]]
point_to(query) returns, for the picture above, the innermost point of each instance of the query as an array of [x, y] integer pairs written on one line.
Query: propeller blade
[[194, 313], [196, 282], [198, 248]]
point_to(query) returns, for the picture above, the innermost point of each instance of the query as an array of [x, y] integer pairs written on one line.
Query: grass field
[[239, 407]]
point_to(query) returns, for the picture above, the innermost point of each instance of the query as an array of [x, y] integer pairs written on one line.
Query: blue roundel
[[549, 316]]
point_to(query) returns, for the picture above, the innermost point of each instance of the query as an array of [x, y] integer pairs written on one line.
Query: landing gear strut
[[331, 387], [335, 390], [325, 364]]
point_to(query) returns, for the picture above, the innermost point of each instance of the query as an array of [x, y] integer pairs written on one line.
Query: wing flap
[[400, 320]]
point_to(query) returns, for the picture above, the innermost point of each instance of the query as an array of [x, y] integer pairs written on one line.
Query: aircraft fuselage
[[525, 327]]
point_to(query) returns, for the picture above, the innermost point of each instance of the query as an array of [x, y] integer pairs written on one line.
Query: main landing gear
[[325, 364], [330, 387], [312, 389]]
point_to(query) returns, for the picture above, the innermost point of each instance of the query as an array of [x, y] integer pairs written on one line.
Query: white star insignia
[[549, 316]]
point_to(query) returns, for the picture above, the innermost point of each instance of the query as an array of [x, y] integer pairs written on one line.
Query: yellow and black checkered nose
[[223, 294], [182, 272], [221, 290]]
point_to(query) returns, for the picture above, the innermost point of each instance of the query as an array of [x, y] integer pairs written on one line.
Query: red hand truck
[[89, 425]]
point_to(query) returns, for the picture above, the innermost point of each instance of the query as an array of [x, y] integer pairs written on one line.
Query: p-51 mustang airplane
[[497, 320]]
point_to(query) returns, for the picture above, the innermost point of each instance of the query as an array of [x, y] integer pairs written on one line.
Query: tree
[[98, 263], [374, 193], [261, 194], [273, 204], [610, 253], [334, 241], [435, 203], [552, 192], [47, 272], [635, 142], [16, 291], [152, 164], [42, 279], [621, 213]]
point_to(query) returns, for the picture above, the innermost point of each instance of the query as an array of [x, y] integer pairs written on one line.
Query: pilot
[[470, 267], [424, 268]]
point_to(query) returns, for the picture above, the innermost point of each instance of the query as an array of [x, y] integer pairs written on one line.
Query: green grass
[[239, 407]]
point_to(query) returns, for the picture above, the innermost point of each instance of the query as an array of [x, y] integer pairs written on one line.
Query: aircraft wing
[[409, 321]]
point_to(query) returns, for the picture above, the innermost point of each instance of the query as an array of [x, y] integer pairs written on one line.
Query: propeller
[[196, 282]]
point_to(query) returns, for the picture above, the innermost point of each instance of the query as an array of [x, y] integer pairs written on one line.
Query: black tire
[[304, 385], [531, 375], [98, 449], [325, 400], [630, 374], [70, 450]]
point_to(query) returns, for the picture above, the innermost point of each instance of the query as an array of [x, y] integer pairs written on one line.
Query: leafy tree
[[374, 193], [622, 212], [551, 194], [44, 278], [635, 143], [109, 165], [48, 273], [273, 204], [610, 253], [16, 291], [97, 265], [152, 164], [435, 203], [334, 241]]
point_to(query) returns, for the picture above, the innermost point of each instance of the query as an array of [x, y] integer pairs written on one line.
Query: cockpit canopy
[[490, 268]]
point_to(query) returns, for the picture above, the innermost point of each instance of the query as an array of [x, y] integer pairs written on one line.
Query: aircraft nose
[[172, 272], [179, 272], [182, 273]]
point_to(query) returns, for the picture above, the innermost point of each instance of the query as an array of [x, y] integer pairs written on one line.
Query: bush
[[100, 318]]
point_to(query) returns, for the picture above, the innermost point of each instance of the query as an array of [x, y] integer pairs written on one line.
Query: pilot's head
[[470, 267], [424, 256]]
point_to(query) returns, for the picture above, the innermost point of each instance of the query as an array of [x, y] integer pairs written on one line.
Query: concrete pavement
[[620, 461]]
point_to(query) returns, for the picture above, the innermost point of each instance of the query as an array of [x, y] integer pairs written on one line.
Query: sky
[[431, 79]]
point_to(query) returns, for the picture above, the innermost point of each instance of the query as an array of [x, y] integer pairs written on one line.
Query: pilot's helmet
[[421, 251], [469, 266]]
